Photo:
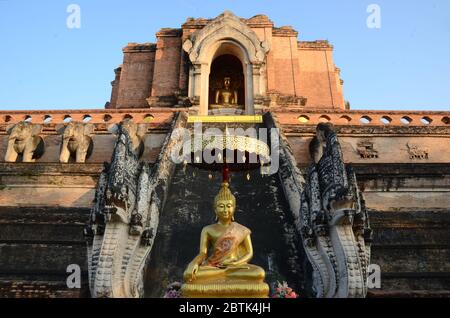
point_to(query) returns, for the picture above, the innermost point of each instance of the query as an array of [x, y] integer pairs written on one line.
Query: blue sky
[[404, 65]]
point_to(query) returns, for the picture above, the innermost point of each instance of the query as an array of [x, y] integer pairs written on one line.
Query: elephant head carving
[[24, 140], [136, 133], [76, 141]]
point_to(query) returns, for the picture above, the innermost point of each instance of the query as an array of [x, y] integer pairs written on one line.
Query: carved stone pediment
[[226, 26]]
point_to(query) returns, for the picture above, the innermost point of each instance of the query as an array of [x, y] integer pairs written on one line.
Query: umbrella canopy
[[232, 152]]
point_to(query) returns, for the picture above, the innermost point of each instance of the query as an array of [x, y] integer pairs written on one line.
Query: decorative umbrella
[[227, 153]]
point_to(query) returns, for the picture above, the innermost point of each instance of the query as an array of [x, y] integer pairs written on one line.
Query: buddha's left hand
[[228, 264]]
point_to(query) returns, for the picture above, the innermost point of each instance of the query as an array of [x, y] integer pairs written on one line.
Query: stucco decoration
[[334, 222], [24, 140], [125, 216], [226, 34], [225, 26], [136, 133], [417, 152], [76, 141]]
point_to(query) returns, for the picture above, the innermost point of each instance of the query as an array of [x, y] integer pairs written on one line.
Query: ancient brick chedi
[[353, 188], [275, 66]]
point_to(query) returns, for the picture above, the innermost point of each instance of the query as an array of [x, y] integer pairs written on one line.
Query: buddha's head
[[227, 82], [225, 203]]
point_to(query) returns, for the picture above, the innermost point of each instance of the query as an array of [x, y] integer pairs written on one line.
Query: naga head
[[136, 133], [319, 142]]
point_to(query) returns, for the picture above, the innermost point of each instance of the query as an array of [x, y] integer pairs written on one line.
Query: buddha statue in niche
[[226, 96], [224, 271]]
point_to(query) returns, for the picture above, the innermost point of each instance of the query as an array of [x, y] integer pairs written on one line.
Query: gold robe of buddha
[[226, 96], [224, 272]]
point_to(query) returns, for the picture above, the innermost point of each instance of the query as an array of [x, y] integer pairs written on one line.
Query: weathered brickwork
[[401, 160], [157, 74], [134, 83], [167, 64]]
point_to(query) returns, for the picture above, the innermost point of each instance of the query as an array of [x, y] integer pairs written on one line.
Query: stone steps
[[39, 289], [409, 294], [412, 249], [36, 246]]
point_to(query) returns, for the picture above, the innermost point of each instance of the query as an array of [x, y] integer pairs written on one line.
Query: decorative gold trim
[[232, 142], [254, 119], [225, 290]]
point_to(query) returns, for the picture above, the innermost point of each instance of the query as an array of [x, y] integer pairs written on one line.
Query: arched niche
[[226, 66], [228, 48], [226, 35]]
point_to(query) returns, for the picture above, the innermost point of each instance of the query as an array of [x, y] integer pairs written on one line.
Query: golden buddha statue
[[225, 272], [226, 96]]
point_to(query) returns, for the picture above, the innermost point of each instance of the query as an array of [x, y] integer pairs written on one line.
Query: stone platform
[[225, 290]]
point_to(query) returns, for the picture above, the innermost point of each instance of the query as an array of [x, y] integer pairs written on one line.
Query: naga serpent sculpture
[[125, 215], [335, 227]]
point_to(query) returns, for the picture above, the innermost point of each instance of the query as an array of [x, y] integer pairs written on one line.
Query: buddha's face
[[226, 82], [225, 209]]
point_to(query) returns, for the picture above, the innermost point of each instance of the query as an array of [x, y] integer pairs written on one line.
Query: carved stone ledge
[[162, 101], [371, 130], [139, 47], [319, 44], [285, 31], [27, 169], [169, 32], [283, 100]]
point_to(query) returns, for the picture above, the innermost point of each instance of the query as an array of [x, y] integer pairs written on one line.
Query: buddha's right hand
[[192, 270]]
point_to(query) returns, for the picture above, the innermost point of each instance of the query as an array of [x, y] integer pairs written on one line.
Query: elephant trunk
[[65, 153], [13, 136]]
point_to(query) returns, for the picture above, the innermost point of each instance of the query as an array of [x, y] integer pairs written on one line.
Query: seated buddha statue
[[226, 96], [224, 271]]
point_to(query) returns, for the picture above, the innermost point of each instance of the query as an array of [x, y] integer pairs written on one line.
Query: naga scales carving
[[125, 215], [334, 222]]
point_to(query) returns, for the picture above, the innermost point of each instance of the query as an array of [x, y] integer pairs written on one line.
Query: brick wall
[[167, 64], [136, 78], [285, 68], [153, 74], [319, 79]]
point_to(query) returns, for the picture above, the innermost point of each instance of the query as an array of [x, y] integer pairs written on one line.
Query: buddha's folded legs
[[207, 273], [246, 272], [242, 272]]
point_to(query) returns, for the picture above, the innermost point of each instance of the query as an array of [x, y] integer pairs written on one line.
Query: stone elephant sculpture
[[135, 131], [76, 141], [24, 140]]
